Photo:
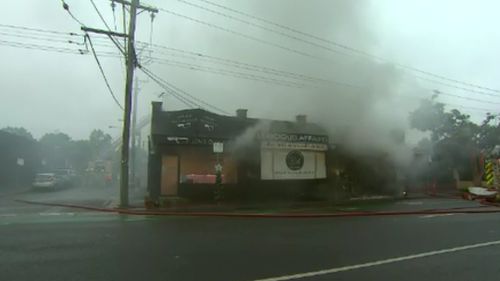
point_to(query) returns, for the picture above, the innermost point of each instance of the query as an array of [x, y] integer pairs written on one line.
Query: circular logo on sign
[[294, 160]]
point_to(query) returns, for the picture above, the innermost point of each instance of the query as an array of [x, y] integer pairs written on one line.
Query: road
[[53, 243]]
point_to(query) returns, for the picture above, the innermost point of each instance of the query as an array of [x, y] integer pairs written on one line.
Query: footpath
[[368, 206]]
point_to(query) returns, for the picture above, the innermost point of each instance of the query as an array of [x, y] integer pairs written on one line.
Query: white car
[[46, 181]]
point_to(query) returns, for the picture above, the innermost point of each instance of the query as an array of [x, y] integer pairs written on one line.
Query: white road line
[[56, 214], [410, 203], [434, 216], [8, 215], [381, 262]]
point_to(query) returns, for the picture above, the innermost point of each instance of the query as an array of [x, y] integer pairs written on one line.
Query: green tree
[[454, 138], [80, 155], [12, 148], [100, 144], [19, 131], [55, 150]]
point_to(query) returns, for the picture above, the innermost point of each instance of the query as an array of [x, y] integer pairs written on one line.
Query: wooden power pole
[[131, 63]]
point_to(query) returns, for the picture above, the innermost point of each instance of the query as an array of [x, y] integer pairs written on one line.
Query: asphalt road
[[52, 243]]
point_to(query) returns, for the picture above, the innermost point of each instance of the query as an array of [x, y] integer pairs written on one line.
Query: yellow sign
[[489, 174]]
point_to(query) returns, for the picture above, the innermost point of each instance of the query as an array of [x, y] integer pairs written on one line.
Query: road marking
[[8, 215], [434, 216], [381, 262], [411, 203], [56, 214]]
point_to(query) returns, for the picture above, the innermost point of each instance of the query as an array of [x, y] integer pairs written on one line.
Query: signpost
[[218, 148], [20, 164]]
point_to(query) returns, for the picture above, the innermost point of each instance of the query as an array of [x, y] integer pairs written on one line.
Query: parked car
[[47, 181], [67, 177]]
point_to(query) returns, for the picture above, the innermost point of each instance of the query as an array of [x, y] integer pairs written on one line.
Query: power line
[[275, 81], [199, 56], [420, 98], [40, 47], [262, 27], [457, 87], [100, 15], [36, 29], [469, 107], [267, 70], [66, 7], [194, 67], [261, 78], [188, 66], [343, 46], [246, 36], [211, 70], [169, 85], [449, 104], [72, 51], [182, 99], [438, 92], [42, 38], [103, 74], [248, 66], [117, 44], [231, 73], [257, 39]]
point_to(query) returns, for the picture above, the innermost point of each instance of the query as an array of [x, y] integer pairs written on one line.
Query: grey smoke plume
[[361, 118], [246, 139]]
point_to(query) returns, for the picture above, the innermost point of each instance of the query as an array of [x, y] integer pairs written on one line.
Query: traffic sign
[[218, 147]]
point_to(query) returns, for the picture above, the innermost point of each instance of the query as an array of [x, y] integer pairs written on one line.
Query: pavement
[[55, 243]]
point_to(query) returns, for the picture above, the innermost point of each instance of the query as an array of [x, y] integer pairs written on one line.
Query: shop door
[[169, 175]]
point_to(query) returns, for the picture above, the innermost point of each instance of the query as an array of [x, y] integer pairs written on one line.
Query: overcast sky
[[49, 91]]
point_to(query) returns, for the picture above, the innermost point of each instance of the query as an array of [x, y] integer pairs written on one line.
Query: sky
[[47, 91]]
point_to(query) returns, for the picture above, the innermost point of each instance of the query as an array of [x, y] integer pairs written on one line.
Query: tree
[[13, 148], [455, 139], [100, 144], [80, 155], [55, 149], [19, 131]]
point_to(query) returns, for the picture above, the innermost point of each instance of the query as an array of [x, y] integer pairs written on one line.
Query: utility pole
[[131, 63], [133, 152]]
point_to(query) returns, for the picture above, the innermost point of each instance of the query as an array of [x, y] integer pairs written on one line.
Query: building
[[258, 154]]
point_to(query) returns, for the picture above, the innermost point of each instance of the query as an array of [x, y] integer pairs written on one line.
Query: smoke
[[247, 138], [363, 107], [363, 116], [373, 119], [363, 119]]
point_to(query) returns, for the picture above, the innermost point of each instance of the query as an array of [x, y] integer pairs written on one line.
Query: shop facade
[[257, 155]]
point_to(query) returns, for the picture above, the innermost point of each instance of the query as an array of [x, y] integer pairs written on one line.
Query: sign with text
[[294, 145], [289, 164], [218, 147], [283, 137], [190, 140]]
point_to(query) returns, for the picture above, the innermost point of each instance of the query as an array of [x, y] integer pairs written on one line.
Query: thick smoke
[[365, 118]]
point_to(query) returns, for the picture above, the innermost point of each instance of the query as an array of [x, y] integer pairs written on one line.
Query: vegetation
[[51, 151], [455, 143]]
